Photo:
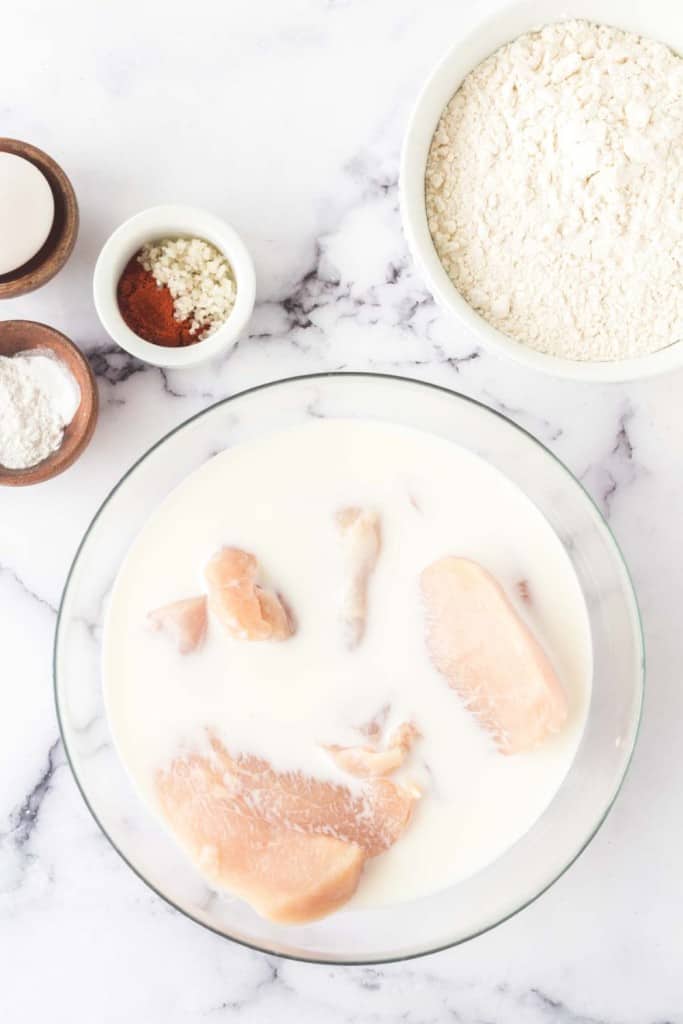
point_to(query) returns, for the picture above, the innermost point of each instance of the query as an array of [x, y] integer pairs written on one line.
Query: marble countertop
[[287, 118]]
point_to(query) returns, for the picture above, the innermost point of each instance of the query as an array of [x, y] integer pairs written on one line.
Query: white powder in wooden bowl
[[554, 191], [199, 278], [39, 396]]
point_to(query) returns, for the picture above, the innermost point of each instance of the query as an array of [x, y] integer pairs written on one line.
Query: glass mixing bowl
[[535, 861]]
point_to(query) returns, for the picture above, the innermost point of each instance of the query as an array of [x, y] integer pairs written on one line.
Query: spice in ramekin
[[176, 292]]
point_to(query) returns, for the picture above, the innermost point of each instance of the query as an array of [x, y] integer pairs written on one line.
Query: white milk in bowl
[[287, 703]]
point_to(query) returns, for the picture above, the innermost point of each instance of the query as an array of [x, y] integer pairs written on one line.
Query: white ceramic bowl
[[164, 222], [658, 19]]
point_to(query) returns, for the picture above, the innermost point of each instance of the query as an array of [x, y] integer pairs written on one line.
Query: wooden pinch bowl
[[62, 238], [20, 336]]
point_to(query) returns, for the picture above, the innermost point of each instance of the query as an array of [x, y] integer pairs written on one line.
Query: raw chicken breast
[[369, 762], [245, 609], [291, 845], [360, 532], [184, 621], [488, 654]]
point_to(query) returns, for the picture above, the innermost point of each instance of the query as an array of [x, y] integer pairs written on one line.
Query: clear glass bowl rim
[[327, 961]]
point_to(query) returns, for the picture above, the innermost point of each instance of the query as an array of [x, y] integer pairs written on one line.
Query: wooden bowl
[[21, 335], [62, 238]]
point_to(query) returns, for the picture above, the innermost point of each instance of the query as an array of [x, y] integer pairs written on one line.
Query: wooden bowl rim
[[58, 249], [57, 462]]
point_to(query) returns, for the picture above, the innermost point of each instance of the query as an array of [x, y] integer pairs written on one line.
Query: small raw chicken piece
[[184, 621], [373, 727], [361, 539], [245, 609], [290, 845], [368, 762], [488, 654]]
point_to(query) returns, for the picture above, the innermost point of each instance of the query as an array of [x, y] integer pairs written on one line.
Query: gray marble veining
[[287, 120]]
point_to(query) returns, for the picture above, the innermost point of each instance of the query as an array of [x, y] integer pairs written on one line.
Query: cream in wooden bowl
[[38, 218]]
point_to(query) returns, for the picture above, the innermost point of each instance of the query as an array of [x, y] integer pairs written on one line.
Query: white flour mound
[[554, 191], [38, 399]]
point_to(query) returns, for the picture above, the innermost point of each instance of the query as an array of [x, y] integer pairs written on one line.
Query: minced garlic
[[197, 275]]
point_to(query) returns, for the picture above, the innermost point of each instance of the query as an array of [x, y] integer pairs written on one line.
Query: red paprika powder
[[147, 308]]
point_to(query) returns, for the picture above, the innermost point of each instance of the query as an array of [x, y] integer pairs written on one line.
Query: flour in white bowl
[[554, 191]]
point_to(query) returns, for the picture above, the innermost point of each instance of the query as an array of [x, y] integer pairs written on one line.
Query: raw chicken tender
[[184, 621], [488, 654], [369, 762], [245, 609], [360, 531], [291, 845]]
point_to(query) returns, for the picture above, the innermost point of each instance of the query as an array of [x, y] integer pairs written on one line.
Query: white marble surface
[[287, 119]]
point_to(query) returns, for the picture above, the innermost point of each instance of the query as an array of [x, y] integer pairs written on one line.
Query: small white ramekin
[[658, 19], [172, 221]]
